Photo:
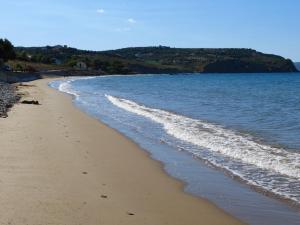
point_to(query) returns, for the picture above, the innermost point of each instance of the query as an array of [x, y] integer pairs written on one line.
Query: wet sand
[[60, 166]]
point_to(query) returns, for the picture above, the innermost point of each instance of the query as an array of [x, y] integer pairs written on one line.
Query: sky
[[270, 26]]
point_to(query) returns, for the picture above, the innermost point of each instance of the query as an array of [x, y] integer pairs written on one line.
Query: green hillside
[[159, 60], [208, 60]]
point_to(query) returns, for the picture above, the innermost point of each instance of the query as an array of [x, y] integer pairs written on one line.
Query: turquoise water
[[212, 129]]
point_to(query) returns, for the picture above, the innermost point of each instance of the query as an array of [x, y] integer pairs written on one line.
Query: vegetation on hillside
[[97, 61], [159, 60], [27, 66], [208, 60], [142, 60]]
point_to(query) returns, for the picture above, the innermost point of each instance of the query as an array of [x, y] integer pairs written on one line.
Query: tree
[[7, 51], [19, 67], [98, 64], [22, 56]]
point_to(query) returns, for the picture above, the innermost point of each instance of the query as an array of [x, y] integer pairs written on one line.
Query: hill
[[208, 60], [159, 60]]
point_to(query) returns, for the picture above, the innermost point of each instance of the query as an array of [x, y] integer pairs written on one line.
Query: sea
[[233, 139]]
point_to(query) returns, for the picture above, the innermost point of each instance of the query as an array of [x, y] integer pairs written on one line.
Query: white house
[[81, 66], [57, 61], [6, 68]]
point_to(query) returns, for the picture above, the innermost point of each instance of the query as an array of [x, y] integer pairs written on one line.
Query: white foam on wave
[[217, 139], [66, 87]]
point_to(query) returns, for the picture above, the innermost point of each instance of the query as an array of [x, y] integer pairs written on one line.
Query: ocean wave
[[66, 87], [271, 168]]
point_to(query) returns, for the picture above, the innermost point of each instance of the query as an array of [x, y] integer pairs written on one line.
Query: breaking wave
[[270, 168]]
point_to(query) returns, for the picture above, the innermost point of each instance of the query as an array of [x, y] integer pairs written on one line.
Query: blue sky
[[270, 26]]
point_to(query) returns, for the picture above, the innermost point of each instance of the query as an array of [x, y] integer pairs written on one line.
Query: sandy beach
[[60, 166]]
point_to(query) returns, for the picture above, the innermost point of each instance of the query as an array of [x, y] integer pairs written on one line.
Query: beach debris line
[[30, 102]]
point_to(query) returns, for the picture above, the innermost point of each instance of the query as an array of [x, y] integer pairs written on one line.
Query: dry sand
[[59, 166]]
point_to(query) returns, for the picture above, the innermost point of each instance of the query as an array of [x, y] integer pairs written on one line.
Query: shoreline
[[109, 185], [260, 197]]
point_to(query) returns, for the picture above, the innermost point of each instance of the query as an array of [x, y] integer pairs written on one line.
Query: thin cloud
[[100, 11], [124, 29], [131, 21]]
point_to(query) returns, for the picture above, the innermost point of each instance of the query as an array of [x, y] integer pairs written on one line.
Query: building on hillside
[[57, 61], [81, 66], [7, 68]]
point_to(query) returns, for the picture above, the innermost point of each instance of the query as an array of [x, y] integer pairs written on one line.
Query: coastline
[[69, 168]]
